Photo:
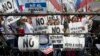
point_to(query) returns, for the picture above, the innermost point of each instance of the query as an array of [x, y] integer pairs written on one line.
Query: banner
[[34, 6], [56, 40], [78, 27], [28, 43], [40, 24], [74, 43], [39, 7]]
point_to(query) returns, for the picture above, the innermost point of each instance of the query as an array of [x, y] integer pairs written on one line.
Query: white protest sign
[[11, 19], [74, 42], [78, 27], [28, 43], [98, 46], [10, 6], [7, 6], [40, 24], [56, 39]]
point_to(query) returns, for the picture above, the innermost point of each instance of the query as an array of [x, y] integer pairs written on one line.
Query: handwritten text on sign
[[77, 27], [7, 6], [11, 19], [56, 39], [28, 42], [74, 42], [40, 24]]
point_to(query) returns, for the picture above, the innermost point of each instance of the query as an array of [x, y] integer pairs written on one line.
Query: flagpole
[[86, 5]]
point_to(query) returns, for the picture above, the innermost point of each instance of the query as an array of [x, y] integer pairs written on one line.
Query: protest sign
[[56, 40], [12, 19], [7, 6], [28, 43], [40, 24], [74, 43], [78, 27]]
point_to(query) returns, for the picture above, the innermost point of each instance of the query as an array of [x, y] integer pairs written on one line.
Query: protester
[[8, 29], [50, 21], [27, 28], [65, 24], [24, 27]]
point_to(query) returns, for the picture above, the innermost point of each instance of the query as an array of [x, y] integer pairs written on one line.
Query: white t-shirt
[[28, 28], [85, 20]]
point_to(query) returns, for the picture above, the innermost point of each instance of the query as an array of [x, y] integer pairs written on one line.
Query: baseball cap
[[24, 17]]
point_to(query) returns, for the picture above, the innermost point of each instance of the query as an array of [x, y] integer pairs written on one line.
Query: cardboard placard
[[28, 43], [12, 19], [78, 27], [40, 24], [56, 40], [74, 42], [8, 6]]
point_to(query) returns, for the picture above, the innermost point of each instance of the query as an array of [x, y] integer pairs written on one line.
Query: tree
[[97, 0]]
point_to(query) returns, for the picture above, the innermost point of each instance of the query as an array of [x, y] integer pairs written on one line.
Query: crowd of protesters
[[21, 27]]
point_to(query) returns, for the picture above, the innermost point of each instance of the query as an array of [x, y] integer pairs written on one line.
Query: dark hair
[[74, 18]]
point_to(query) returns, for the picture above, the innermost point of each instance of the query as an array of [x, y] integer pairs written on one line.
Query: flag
[[56, 5], [47, 51], [21, 7], [82, 3]]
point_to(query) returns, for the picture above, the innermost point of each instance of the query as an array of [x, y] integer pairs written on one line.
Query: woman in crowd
[[50, 20]]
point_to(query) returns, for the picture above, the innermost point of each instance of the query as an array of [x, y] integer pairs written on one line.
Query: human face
[[22, 21], [75, 19]]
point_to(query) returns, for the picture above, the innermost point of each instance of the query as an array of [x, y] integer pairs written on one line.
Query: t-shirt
[[28, 28], [85, 20]]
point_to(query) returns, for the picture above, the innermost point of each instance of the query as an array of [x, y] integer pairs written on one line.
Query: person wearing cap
[[25, 25]]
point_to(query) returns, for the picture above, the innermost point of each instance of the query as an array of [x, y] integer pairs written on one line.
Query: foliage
[[97, 0]]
